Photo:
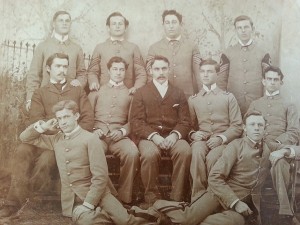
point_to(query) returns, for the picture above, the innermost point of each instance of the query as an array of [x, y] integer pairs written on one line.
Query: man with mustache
[[117, 45], [37, 76], [183, 55], [160, 121], [35, 168]]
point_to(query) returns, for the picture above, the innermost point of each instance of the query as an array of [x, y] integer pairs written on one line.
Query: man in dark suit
[[160, 122], [34, 168]]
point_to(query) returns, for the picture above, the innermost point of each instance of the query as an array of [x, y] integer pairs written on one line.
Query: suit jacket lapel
[[155, 91]]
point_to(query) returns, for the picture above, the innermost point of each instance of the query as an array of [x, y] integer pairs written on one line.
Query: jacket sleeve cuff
[[223, 137], [38, 126], [149, 138], [178, 133], [123, 130], [88, 205], [233, 203]]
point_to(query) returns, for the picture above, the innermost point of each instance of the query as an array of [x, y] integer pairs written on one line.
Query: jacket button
[[71, 185], [67, 161]]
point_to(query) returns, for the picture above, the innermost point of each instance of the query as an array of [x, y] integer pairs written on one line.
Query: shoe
[[7, 211]]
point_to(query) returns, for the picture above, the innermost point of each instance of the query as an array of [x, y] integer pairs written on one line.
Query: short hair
[[211, 62], [274, 69], [171, 12], [60, 13], [116, 14], [252, 113], [66, 104], [159, 58], [56, 55], [116, 59], [241, 18]]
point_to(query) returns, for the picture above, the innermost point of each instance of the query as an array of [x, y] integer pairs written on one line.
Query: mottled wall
[[207, 22]]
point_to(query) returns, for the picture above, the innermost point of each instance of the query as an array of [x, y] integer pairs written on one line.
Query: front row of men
[[159, 124]]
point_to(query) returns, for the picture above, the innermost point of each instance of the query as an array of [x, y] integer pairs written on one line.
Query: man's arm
[[223, 74], [196, 68], [94, 70], [99, 171], [140, 74], [37, 109], [81, 73], [86, 112]]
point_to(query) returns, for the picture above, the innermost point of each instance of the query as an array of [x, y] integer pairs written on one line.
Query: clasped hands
[[165, 143], [279, 154], [115, 135], [211, 142]]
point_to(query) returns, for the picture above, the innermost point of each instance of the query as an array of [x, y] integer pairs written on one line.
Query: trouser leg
[[128, 153], [228, 217], [213, 156], [280, 173], [181, 155]]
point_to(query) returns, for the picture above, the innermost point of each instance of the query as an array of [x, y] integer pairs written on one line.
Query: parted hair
[[274, 69], [116, 14], [252, 113], [160, 58], [66, 104], [171, 12], [60, 13], [116, 59], [241, 18], [56, 55], [211, 62]]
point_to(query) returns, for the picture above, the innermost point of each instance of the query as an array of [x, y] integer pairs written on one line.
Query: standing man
[[242, 65], [282, 129], [160, 122], [111, 106], [184, 56], [59, 42], [217, 120], [234, 183], [35, 167], [85, 194], [116, 45]]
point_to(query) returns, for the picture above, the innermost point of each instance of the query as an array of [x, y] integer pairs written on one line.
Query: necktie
[[60, 85], [259, 146]]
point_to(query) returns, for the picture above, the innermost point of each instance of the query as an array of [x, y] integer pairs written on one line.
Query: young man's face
[[272, 81], [160, 71], [208, 74], [116, 26], [62, 24], [67, 120], [58, 69], [117, 72], [172, 26], [255, 127], [244, 30]]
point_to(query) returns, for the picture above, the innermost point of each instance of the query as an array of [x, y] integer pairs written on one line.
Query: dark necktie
[[60, 85], [259, 146]]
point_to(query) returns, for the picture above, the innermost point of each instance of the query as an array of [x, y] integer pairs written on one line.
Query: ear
[[107, 28], [264, 82], [244, 128], [48, 68], [281, 82], [77, 115]]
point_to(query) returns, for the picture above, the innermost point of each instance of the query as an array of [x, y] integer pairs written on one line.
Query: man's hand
[[158, 141], [214, 142], [243, 208], [279, 154], [170, 140], [94, 86], [75, 83], [199, 136], [99, 132], [49, 125], [28, 105], [115, 135], [132, 90]]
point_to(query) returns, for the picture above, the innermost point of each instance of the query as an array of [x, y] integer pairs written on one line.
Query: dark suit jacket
[[152, 113], [45, 97]]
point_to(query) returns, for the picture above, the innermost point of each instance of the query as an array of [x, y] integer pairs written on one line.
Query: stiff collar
[[212, 87], [76, 130], [247, 44], [114, 84], [115, 39], [61, 82], [59, 37], [158, 85], [268, 94], [175, 39]]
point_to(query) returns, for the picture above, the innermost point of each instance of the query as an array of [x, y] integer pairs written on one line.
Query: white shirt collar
[[272, 94], [251, 140], [116, 39], [113, 83], [247, 44], [73, 131], [176, 39], [59, 37], [162, 88], [212, 87], [54, 82], [165, 84]]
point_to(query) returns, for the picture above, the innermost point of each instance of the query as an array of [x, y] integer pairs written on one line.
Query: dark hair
[[252, 113], [211, 62], [60, 13], [116, 14], [274, 69], [56, 55], [160, 58], [116, 59], [171, 12], [243, 17], [65, 104]]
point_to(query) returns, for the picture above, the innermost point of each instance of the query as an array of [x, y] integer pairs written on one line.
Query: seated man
[[282, 129], [217, 120], [234, 182], [160, 121], [85, 194], [33, 168], [111, 106]]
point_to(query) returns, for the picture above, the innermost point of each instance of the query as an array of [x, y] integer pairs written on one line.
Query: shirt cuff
[[292, 154], [123, 130], [224, 138], [233, 203], [151, 136], [177, 132], [38, 126], [88, 205], [190, 135]]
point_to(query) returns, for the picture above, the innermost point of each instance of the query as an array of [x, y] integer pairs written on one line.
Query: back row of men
[[160, 119]]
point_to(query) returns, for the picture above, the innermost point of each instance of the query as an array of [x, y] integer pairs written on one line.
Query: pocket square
[[175, 105]]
